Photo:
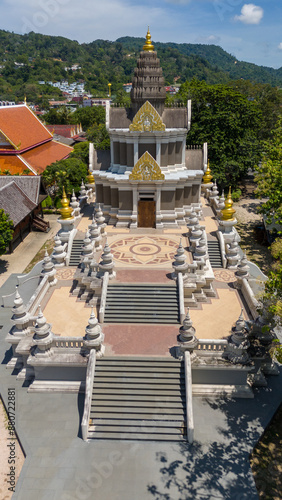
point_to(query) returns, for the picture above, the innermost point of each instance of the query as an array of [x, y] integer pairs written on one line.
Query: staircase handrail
[[181, 297], [189, 399], [103, 297], [88, 393], [69, 249], [222, 248]]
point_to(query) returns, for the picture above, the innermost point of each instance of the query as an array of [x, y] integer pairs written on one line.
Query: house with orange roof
[[26, 145]]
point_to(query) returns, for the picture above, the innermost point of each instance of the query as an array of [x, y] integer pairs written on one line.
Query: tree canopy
[[230, 123], [6, 231], [68, 173]]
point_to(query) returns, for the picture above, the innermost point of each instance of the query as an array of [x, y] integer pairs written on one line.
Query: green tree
[[81, 151], [6, 231], [99, 135], [269, 184], [68, 173], [269, 178], [229, 123]]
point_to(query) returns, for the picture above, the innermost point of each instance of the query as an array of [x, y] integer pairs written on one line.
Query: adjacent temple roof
[[22, 128], [19, 195], [25, 143]]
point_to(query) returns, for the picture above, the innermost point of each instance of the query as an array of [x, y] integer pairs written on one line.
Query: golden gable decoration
[[146, 169], [147, 119]]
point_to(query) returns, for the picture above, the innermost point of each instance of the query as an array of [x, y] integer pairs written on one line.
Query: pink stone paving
[[149, 340], [143, 276]]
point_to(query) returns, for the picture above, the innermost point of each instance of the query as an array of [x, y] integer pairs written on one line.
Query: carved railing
[[211, 346], [67, 342]]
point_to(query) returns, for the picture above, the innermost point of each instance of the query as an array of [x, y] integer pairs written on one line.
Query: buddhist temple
[[148, 178]]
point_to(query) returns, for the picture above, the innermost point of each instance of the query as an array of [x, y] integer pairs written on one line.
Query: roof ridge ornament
[[148, 46], [147, 119], [146, 169]]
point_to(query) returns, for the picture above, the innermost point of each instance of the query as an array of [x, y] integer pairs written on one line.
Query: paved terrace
[[59, 465], [144, 257]]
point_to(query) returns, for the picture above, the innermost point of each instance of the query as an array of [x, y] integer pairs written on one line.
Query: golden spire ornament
[[228, 212], [90, 178], [207, 177], [148, 46], [66, 210]]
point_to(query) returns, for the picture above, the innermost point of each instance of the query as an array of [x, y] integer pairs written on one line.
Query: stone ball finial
[[93, 334], [187, 331]]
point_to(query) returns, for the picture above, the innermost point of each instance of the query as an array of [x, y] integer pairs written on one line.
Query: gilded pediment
[[146, 169], [147, 119]]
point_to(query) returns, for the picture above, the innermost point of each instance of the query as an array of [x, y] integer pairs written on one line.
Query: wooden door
[[146, 213]]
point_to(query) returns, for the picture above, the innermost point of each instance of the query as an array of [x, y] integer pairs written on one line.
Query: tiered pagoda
[[148, 178]]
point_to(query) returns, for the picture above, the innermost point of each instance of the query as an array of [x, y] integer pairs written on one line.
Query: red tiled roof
[[42, 156], [64, 130], [22, 127], [13, 163]]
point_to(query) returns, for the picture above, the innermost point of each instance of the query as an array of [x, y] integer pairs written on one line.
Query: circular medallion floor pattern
[[144, 250]]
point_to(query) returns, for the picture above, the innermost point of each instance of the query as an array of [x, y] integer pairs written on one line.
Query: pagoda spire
[[148, 46]]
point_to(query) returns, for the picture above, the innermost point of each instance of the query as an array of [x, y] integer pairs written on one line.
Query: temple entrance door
[[146, 213]]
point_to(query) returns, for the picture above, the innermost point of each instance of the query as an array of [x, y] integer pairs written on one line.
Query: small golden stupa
[[66, 210], [90, 178], [228, 212], [207, 177], [148, 46]]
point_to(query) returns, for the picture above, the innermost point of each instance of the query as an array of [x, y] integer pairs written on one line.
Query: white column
[[183, 151], [158, 152], [134, 195], [159, 224], [91, 155], [135, 150], [158, 200], [112, 152], [134, 208]]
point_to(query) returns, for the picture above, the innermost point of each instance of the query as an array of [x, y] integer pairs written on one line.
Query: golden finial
[[228, 212], [109, 86], [207, 177], [90, 177], [25, 99], [66, 210], [148, 47]]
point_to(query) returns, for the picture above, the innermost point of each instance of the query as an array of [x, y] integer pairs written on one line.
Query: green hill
[[27, 59]]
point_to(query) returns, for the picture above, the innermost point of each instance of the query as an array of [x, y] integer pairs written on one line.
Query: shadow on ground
[[4, 264], [220, 468]]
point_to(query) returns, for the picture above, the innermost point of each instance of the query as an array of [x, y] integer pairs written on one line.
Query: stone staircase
[[139, 398], [142, 303], [214, 254], [75, 253]]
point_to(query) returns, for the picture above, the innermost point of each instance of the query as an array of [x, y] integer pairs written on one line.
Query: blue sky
[[250, 31]]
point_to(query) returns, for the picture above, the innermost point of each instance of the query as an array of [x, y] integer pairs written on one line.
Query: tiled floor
[[145, 258]]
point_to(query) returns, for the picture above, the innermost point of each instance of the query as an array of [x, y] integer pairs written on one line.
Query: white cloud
[[250, 14], [208, 39], [280, 46]]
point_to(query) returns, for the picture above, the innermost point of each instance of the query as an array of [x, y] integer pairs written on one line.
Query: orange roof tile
[[13, 163], [22, 127], [42, 156]]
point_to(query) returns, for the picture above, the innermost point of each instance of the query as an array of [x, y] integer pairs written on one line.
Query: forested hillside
[[40, 57]]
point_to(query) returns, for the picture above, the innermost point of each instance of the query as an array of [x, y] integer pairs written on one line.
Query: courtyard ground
[[61, 466]]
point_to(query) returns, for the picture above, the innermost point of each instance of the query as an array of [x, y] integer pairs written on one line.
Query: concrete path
[[25, 251]]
